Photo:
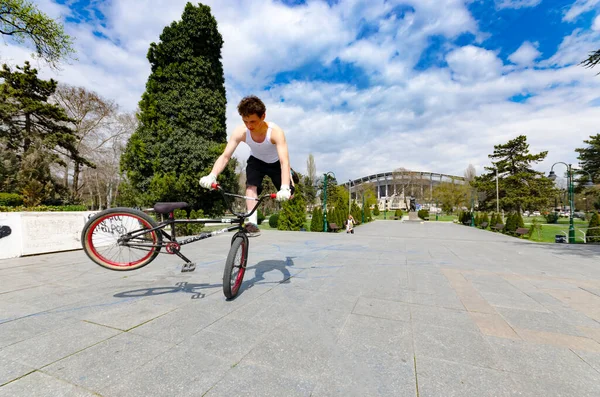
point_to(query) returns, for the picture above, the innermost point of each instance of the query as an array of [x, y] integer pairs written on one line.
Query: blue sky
[[370, 85]]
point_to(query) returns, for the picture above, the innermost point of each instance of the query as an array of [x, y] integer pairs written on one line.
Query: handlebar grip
[[215, 186]]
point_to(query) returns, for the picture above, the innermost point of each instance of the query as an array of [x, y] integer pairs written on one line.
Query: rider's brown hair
[[251, 105]]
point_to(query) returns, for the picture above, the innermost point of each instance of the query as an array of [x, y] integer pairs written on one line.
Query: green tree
[[182, 115], [589, 159], [451, 195], [25, 23], [356, 211], [520, 186], [592, 60], [485, 219], [519, 220], [293, 212], [511, 223], [310, 180], [316, 224], [33, 127], [331, 190], [593, 235]]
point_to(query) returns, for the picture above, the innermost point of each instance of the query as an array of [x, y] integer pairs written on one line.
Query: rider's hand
[[207, 181], [284, 193]]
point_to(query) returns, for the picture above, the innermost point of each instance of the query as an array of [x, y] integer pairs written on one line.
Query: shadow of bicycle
[[184, 286], [260, 269], [264, 267]]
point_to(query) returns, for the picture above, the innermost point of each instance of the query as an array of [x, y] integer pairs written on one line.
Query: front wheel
[[121, 239], [235, 266]]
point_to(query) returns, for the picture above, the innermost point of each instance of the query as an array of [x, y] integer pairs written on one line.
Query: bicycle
[[113, 236]]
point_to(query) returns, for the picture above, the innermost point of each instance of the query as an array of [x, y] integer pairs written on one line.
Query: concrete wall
[[29, 233]]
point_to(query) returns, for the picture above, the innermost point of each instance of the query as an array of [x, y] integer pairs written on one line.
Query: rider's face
[[253, 122]]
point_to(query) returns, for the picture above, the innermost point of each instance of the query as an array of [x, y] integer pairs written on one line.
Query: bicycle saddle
[[165, 208]]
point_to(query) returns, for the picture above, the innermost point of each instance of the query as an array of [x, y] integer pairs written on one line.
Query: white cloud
[[580, 7], [525, 55], [596, 24], [471, 64], [436, 120], [516, 3], [574, 48]]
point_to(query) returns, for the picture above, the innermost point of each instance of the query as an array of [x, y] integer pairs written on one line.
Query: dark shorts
[[257, 169]]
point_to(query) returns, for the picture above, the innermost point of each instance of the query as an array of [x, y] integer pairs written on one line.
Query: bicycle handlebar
[[216, 186]]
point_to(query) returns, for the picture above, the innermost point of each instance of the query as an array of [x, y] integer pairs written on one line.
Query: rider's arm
[[278, 138], [237, 137]]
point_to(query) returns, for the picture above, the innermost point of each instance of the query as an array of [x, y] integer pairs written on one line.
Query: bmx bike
[[125, 239]]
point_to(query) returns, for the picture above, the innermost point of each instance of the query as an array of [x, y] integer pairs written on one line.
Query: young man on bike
[[268, 156]]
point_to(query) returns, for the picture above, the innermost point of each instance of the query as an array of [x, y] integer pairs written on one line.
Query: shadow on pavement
[[183, 286], [265, 267]]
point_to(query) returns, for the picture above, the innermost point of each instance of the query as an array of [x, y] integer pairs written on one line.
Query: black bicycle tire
[[94, 221], [230, 291]]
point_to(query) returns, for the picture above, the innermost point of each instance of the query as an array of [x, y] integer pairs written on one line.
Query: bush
[[519, 220], [511, 223], [274, 220], [485, 219], [260, 217], [535, 229], [551, 217], [316, 224], [593, 235], [398, 213], [423, 214], [376, 211], [293, 212], [465, 218], [11, 199]]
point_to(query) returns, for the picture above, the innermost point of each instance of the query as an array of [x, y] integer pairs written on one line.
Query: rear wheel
[[235, 266], [121, 239]]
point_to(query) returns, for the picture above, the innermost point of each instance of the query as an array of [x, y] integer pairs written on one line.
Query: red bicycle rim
[[119, 264]]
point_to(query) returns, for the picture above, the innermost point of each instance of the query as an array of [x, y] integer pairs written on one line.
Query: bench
[[333, 227], [484, 225], [521, 231], [497, 227]]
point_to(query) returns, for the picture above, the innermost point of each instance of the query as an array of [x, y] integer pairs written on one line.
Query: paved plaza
[[397, 309]]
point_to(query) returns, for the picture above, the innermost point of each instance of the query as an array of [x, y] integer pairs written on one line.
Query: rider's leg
[[252, 191]]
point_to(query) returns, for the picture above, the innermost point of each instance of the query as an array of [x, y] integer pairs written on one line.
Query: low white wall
[[40, 232]]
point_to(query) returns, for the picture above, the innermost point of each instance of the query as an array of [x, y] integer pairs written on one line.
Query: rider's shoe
[[252, 230]]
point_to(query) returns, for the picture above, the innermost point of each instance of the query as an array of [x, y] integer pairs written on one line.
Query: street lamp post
[[325, 199], [349, 196], [571, 197], [552, 177], [497, 193]]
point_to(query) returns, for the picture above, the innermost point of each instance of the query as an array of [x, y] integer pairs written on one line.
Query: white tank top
[[265, 150]]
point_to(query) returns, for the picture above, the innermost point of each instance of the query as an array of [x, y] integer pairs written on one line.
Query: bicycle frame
[[172, 246]]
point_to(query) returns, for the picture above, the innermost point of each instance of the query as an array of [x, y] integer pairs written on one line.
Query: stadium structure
[[395, 188]]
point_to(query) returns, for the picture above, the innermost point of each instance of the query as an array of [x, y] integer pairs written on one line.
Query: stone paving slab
[[396, 309]]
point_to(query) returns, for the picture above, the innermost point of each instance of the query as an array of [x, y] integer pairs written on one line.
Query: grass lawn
[[546, 235]]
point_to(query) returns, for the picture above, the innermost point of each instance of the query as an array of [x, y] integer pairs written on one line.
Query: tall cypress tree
[[182, 116]]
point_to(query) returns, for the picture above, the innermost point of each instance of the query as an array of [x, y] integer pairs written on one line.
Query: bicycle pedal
[[188, 267]]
